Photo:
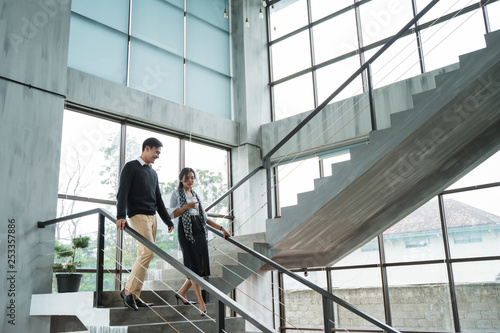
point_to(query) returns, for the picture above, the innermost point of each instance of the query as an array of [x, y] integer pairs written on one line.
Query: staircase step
[[125, 317], [236, 325], [112, 299]]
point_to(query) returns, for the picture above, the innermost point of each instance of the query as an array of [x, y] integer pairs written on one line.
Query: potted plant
[[67, 279]]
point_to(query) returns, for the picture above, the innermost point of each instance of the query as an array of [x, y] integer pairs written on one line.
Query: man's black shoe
[[129, 301], [141, 304]]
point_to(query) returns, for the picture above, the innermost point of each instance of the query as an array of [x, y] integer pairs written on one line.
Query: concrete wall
[[252, 109], [94, 92], [421, 307], [32, 35]]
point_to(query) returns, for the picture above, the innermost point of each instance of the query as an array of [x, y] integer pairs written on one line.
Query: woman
[[185, 204]]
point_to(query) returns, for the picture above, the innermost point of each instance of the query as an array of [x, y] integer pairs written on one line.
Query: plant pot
[[68, 283]]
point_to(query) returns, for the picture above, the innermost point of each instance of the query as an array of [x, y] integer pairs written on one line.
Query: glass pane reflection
[[494, 15], [211, 179], [335, 37], [416, 237], [89, 157], [420, 298], [293, 97], [322, 8], [361, 288], [331, 77], [477, 285], [291, 55], [399, 62], [287, 16], [381, 19], [366, 254], [444, 42], [473, 221], [296, 177]]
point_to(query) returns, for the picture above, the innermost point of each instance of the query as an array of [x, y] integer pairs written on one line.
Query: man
[[139, 198]]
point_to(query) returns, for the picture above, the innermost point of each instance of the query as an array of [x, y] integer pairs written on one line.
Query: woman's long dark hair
[[184, 173]]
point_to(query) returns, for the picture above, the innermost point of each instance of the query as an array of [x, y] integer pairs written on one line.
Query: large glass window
[[91, 150], [345, 32], [414, 266], [170, 48]]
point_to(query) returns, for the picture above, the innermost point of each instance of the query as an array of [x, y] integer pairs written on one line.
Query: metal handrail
[[222, 299], [306, 282]]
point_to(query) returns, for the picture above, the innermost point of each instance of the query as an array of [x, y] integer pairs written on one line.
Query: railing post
[[100, 263], [221, 317], [373, 116], [269, 178], [326, 314]]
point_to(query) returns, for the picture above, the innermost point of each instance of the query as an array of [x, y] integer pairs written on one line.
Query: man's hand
[[120, 224], [170, 229]]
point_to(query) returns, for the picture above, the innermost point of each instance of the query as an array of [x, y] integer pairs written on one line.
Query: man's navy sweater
[[139, 193]]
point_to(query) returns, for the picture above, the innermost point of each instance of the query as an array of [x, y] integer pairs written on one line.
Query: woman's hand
[[225, 233], [192, 205]]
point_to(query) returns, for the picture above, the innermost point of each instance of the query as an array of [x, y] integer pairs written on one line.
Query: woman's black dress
[[195, 254]]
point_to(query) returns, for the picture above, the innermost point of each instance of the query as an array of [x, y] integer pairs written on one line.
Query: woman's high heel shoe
[[203, 313], [178, 297]]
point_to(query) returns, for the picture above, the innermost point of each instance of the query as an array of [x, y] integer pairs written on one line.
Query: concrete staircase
[[182, 318], [229, 265], [450, 130], [165, 316]]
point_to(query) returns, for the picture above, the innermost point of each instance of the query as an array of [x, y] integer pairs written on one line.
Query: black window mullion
[[449, 268]]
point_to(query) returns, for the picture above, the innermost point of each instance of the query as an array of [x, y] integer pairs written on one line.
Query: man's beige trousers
[[146, 226]]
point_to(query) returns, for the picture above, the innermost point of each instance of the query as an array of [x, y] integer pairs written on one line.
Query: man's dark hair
[[151, 143]]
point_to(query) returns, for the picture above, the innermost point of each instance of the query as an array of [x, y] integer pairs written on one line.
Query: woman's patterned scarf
[[186, 216]]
